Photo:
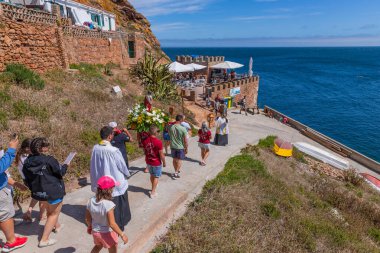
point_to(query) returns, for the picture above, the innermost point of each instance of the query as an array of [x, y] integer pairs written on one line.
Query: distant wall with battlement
[[202, 60], [248, 87], [43, 41]]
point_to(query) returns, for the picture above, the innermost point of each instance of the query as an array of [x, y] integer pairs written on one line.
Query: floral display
[[140, 119]]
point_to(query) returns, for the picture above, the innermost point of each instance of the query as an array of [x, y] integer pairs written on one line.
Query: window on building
[[131, 49], [96, 19]]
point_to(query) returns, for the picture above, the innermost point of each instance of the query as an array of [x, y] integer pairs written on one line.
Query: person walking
[[154, 157], [107, 160], [178, 145], [222, 131], [21, 156], [100, 217], [166, 137], [7, 210], [121, 137], [243, 105], [44, 177], [204, 142]]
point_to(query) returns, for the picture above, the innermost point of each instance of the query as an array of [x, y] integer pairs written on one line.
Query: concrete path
[[151, 217]]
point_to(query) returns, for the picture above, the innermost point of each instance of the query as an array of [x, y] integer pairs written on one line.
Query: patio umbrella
[[227, 65], [250, 72], [196, 66], [283, 148], [176, 67]]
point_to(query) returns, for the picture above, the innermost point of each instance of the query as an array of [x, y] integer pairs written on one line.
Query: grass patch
[[21, 109], [97, 95], [4, 98], [374, 233], [89, 70], [270, 210], [299, 156], [268, 142], [3, 120], [66, 102], [239, 168], [89, 137], [25, 77]]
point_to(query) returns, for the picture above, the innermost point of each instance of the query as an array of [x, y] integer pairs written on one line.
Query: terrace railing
[[18, 13]]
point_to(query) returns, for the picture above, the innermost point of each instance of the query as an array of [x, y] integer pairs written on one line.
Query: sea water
[[336, 91]]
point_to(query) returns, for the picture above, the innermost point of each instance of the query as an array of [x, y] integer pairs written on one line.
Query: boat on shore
[[322, 155]]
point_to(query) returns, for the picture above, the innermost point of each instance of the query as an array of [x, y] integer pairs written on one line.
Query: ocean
[[336, 91]]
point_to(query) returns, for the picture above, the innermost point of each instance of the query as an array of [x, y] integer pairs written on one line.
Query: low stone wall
[[248, 87], [37, 40], [326, 141]]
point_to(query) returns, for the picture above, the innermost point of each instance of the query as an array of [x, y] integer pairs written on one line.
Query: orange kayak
[[372, 180]]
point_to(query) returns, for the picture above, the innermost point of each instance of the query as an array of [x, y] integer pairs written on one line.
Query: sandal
[[48, 243]]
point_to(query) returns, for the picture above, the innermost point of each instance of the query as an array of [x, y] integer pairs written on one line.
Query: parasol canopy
[[250, 72], [227, 65], [196, 66], [176, 67]]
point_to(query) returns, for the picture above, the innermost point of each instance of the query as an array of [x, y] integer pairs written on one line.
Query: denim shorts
[[155, 171], [55, 201], [166, 136], [178, 153]]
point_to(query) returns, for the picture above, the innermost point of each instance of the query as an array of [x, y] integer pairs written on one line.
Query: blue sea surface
[[336, 91]]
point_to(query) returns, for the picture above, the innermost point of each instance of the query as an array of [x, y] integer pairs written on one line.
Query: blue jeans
[[155, 171]]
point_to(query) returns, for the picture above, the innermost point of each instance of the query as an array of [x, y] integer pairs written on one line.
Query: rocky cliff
[[127, 18]]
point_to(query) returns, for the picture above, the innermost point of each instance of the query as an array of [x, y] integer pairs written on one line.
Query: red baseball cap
[[107, 182]]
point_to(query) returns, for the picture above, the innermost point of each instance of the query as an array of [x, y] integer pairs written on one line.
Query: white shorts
[[204, 145]]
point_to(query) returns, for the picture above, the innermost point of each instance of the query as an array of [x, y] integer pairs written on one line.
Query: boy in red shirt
[[154, 157]]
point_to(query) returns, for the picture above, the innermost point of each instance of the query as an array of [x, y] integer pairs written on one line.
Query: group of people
[[108, 212]]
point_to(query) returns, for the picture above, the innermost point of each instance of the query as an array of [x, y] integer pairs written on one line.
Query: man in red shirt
[[154, 157]]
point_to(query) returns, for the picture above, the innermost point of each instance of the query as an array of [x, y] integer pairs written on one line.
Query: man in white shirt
[[107, 160]]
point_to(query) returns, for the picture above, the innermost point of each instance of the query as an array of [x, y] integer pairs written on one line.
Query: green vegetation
[[66, 102], [90, 137], [25, 77], [156, 78], [3, 120], [89, 70], [267, 142], [264, 203], [22, 109]]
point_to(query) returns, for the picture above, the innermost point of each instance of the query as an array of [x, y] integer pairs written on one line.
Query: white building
[[77, 12]]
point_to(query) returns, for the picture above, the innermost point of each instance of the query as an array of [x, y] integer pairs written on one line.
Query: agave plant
[[155, 77]]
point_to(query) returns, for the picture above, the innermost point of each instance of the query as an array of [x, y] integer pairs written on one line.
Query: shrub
[[4, 97], [66, 102], [352, 177], [25, 77], [3, 120], [156, 78], [299, 156]]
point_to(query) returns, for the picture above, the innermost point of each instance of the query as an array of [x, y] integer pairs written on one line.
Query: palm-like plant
[[155, 77]]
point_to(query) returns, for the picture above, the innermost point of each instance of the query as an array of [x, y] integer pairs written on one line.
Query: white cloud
[[164, 7]]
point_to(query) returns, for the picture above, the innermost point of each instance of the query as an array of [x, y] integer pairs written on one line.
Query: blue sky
[[210, 23]]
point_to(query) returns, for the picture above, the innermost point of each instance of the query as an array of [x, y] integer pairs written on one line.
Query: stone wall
[[248, 87], [29, 38], [35, 39]]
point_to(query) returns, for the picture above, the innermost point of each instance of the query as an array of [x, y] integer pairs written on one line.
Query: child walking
[[100, 217]]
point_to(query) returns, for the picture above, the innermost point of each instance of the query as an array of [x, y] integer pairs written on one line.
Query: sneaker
[[175, 175], [19, 242], [48, 243]]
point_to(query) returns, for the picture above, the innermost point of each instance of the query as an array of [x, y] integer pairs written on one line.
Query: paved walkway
[[151, 217]]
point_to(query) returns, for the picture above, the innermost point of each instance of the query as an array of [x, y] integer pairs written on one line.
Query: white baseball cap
[[112, 124]]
